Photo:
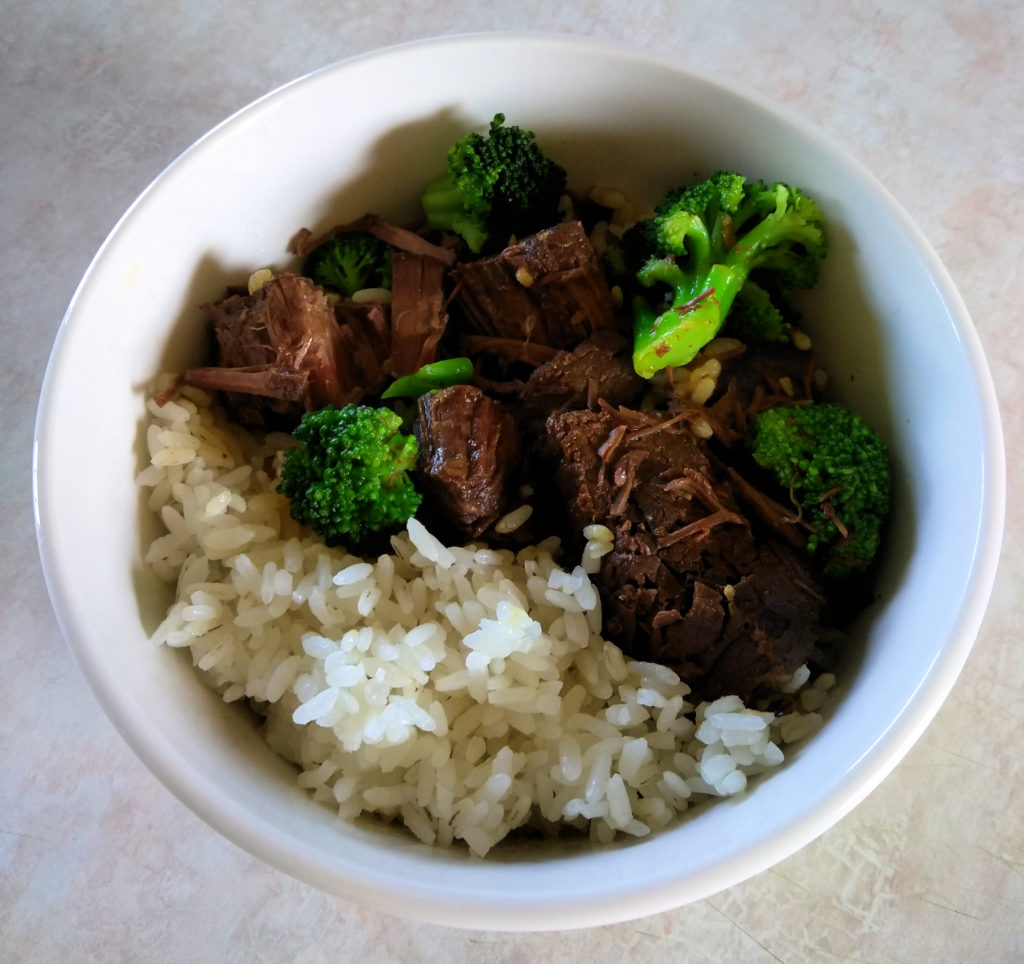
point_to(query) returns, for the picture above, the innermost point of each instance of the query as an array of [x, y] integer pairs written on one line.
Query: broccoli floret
[[349, 475], [497, 185], [836, 468], [755, 318], [349, 262], [701, 246]]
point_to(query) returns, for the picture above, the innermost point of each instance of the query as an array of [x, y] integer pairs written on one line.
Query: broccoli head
[[349, 262], [497, 185], [695, 255], [836, 468], [349, 475], [755, 318]]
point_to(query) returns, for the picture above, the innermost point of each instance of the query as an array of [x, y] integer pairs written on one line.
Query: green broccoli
[[497, 185], [431, 377], [349, 475], [755, 318], [349, 262], [836, 468], [701, 246]]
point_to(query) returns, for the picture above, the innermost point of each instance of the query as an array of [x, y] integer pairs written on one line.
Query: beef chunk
[[468, 451], [418, 316], [286, 349], [690, 582], [783, 520], [769, 634], [365, 345], [682, 637], [752, 381], [579, 440], [616, 466], [597, 369], [736, 636], [547, 289], [382, 343], [278, 353]]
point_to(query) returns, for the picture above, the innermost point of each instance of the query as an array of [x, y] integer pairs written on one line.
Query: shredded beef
[[278, 353], [286, 349], [754, 380], [689, 583], [418, 316], [365, 340]]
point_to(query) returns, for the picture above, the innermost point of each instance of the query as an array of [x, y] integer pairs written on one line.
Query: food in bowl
[[599, 660], [886, 321]]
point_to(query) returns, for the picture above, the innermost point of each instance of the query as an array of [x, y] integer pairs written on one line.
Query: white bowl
[[898, 341]]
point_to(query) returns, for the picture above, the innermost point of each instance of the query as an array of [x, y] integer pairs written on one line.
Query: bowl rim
[[523, 913]]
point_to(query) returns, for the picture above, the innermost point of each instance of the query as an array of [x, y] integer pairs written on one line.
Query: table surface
[[99, 862]]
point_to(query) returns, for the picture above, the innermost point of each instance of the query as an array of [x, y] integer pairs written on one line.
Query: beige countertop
[[99, 862]]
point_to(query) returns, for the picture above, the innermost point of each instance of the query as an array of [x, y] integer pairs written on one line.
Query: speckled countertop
[[99, 862]]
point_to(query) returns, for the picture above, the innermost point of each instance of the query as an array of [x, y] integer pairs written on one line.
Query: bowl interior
[[885, 319]]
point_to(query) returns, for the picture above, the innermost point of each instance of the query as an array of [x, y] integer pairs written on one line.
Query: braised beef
[[418, 316], [620, 464], [468, 453], [596, 369], [690, 582], [547, 289], [509, 349], [286, 349], [278, 353], [773, 623], [784, 520], [365, 341], [754, 380]]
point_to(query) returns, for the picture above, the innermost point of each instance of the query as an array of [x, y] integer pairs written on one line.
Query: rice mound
[[461, 690]]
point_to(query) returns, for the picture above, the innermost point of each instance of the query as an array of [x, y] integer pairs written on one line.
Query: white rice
[[463, 691]]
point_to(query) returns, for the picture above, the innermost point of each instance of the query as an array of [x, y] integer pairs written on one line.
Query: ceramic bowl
[[898, 342]]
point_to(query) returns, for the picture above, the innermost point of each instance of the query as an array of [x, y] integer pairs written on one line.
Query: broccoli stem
[[442, 201], [431, 377], [695, 316], [448, 209]]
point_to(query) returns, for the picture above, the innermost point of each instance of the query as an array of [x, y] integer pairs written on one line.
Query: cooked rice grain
[[462, 691]]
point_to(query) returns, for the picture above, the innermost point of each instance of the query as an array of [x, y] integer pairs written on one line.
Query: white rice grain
[[355, 573]]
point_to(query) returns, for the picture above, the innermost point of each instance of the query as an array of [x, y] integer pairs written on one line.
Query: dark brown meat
[[468, 452], [752, 381], [547, 289], [418, 316], [689, 583], [769, 633], [286, 350], [365, 340], [280, 347], [617, 464], [595, 370], [784, 521], [510, 349]]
